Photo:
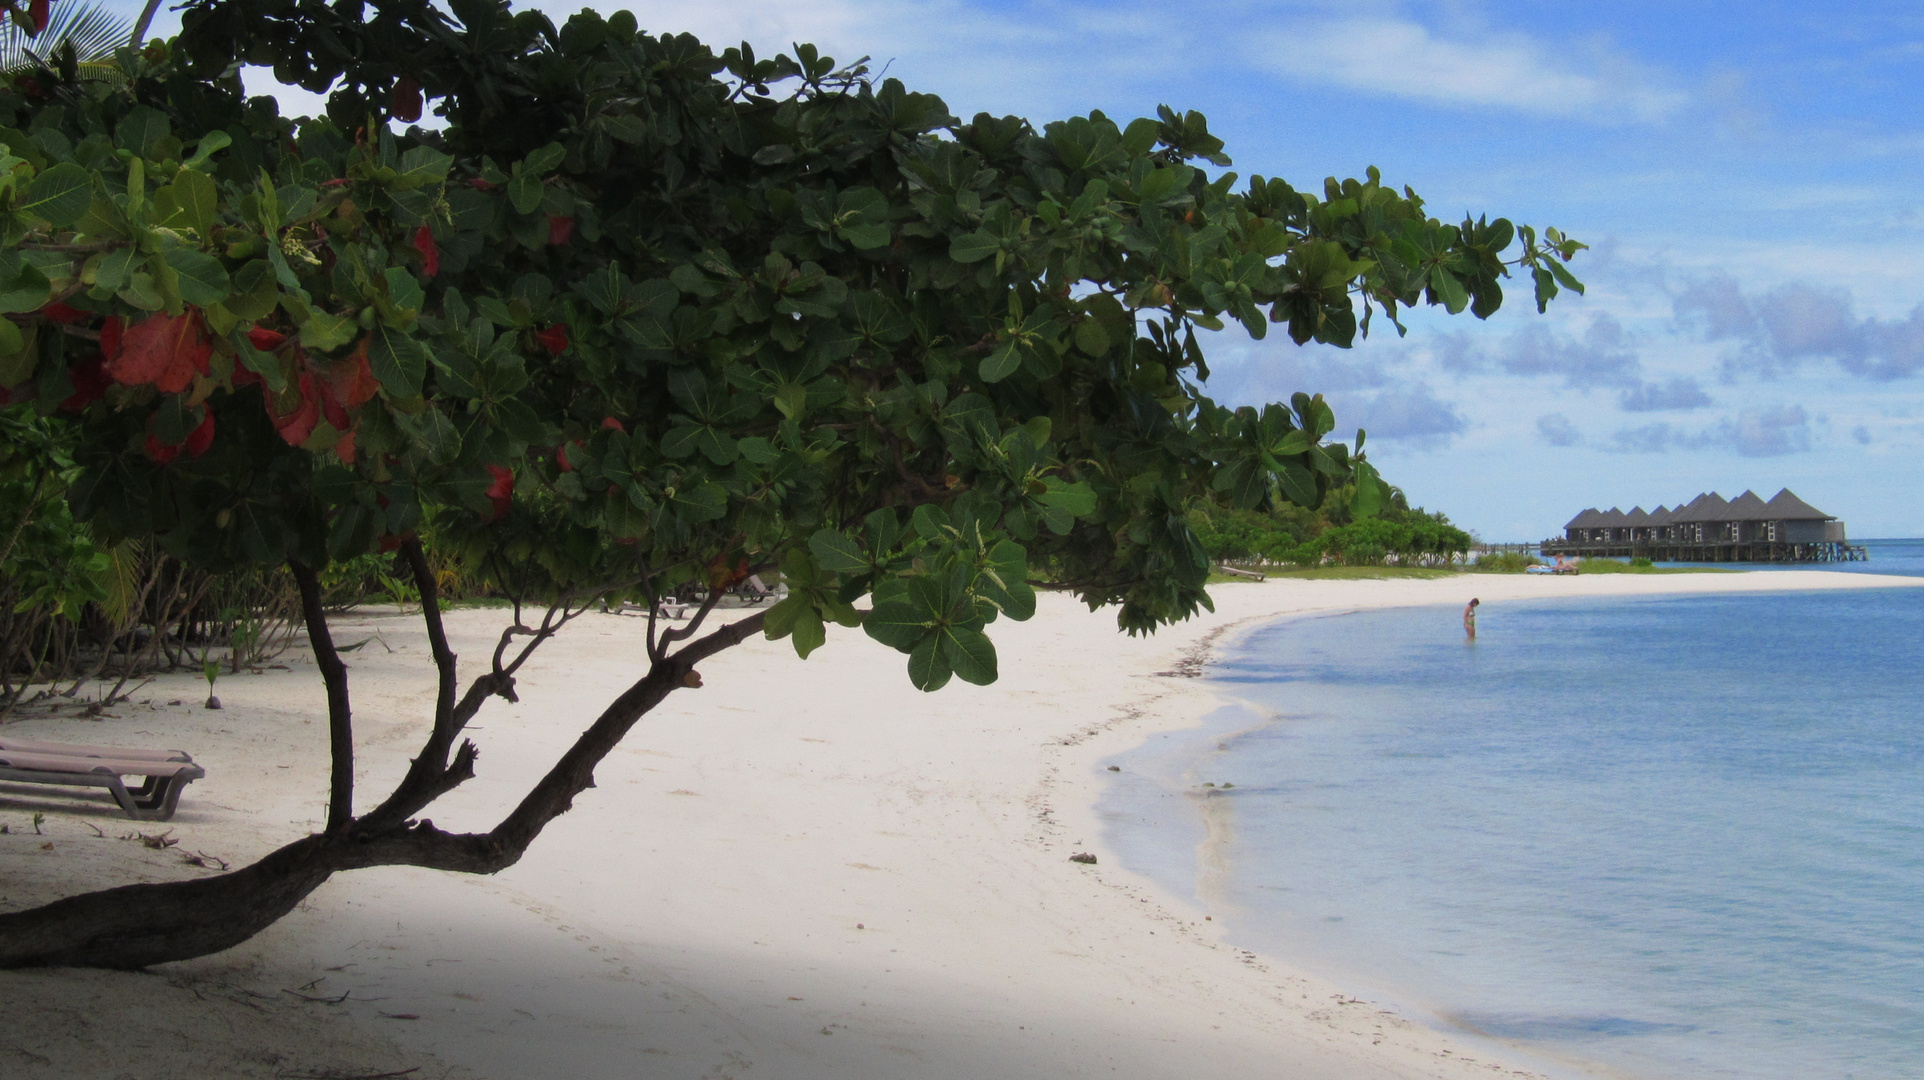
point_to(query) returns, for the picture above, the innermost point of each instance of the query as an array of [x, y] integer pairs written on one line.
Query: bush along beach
[[642, 319], [1287, 534]]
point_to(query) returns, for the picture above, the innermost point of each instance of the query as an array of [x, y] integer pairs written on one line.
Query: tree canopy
[[639, 317]]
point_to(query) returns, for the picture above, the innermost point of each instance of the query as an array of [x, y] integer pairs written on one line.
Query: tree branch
[[340, 722], [444, 659], [574, 772], [146, 20], [659, 651]]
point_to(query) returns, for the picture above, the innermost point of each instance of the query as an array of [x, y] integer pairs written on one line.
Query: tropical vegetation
[[641, 318]]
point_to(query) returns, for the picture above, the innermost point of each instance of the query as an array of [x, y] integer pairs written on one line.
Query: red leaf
[[345, 448], [479, 184], [352, 379], [89, 378], [331, 406], [561, 459], [560, 229], [554, 339], [38, 11], [160, 451], [165, 350], [110, 332], [501, 492], [339, 181], [202, 436], [723, 576], [295, 426], [430, 255], [404, 101], [61, 313], [611, 422], [264, 339]]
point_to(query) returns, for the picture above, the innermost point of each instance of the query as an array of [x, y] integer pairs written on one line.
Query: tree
[[644, 319]]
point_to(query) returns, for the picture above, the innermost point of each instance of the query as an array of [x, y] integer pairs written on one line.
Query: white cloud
[[1768, 432], [1557, 430], [1778, 330], [1409, 412], [1396, 57], [1679, 394]]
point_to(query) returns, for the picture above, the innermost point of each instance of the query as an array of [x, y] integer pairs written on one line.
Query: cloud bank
[[1397, 57], [1777, 331]]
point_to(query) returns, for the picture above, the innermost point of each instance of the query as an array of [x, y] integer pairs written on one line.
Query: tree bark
[[134, 926], [340, 718]]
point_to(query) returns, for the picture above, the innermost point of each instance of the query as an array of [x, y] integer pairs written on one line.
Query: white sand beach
[[799, 870]]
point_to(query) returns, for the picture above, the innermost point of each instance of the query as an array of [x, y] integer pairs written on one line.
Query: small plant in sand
[[637, 320], [210, 669]]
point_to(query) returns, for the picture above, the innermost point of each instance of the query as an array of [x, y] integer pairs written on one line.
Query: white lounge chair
[[164, 772]]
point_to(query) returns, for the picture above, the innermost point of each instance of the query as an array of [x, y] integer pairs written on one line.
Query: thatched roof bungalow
[[1709, 519]]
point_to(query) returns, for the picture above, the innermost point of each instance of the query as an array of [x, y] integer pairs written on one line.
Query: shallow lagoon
[[1682, 837]]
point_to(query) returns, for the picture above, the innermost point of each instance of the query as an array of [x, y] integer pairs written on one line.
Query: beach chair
[[164, 772]]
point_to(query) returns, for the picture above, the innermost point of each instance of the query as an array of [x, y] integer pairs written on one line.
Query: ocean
[[1674, 836]]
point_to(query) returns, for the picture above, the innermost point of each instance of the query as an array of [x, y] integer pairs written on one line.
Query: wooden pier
[[1754, 552]]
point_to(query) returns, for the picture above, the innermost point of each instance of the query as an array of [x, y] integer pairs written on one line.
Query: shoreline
[[804, 869]]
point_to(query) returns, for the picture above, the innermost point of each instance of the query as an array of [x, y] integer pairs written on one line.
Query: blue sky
[[1745, 173]]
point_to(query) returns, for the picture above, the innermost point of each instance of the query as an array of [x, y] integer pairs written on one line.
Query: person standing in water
[[1469, 617]]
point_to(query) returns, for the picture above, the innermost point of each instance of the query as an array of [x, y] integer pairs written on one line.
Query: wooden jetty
[[1785, 529]]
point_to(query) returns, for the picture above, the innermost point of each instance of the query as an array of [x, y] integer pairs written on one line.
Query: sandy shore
[[804, 870]]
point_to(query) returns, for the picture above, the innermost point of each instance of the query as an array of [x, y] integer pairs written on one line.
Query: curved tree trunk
[[133, 926]]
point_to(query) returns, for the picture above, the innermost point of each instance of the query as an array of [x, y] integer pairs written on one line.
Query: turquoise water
[[1682, 837]]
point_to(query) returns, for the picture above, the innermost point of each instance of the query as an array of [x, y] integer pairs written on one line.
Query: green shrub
[[1506, 562]]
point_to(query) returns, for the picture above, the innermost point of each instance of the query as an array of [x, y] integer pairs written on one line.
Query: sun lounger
[[164, 772]]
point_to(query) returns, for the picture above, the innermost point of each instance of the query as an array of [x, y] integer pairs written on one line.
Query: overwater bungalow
[[1710, 529]]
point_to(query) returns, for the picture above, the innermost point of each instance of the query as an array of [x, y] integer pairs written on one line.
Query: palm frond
[[95, 33]]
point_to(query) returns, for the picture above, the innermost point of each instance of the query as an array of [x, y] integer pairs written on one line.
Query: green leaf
[[837, 553], [1001, 363], [969, 653], [974, 247], [681, 442], [866, 237], [796, 616], [524, 192], [60, 195], [141, 129], [22, 286], [544, 160], [704, 502], [398, 361], [325, 330], [210, 144], [1368, 499], [198, 200], [1091, 338], [422, 165], [1448, 289], [1077, 499], [791, 400], [929, 667], [1565, 277], [403, 288], [897, 624], [809, 632], [255, 292], [201, 278], [1298, 484]]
